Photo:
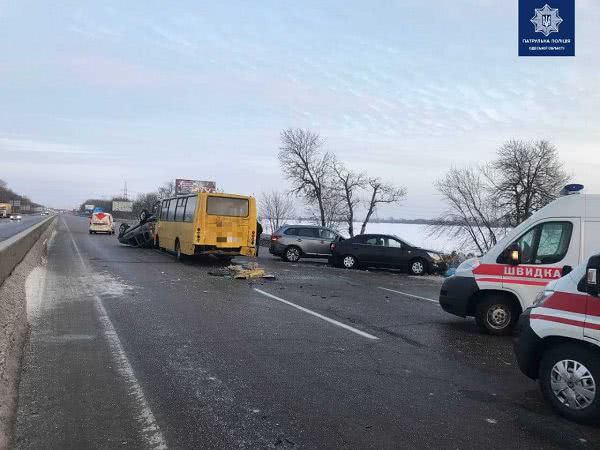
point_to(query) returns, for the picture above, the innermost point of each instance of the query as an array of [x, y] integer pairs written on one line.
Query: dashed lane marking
[[320, 316], [410, 295]]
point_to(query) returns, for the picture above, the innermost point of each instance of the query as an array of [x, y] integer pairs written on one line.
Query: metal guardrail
[[14, 249]]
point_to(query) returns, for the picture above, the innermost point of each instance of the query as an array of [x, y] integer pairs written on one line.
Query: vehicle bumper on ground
[[528, 347], [456, 293]]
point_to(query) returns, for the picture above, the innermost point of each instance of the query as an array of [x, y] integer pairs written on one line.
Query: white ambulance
[[559, 343], [101, 222], [497, 287]]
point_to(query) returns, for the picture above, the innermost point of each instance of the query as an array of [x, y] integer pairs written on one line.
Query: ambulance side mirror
[[512, 254], [592, 276]]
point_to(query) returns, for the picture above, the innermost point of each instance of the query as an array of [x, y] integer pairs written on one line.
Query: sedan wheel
[[417, 267], [349, 262]]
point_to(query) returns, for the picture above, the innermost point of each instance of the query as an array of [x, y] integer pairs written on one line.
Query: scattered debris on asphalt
[[242, 272]]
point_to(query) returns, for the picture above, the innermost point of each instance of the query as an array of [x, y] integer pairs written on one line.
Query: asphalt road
[[130, 349], [9, 227]]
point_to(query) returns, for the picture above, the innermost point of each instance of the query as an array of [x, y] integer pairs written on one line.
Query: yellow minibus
[[207, 223]]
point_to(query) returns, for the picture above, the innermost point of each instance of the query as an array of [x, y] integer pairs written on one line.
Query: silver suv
[[293, 242]]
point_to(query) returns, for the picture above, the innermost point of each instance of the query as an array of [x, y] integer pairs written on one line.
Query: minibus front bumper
[[456, 294]]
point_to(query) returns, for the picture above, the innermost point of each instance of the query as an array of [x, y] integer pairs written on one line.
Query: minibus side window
[[190, 209], [180, 209], [171, 209], [163, 210]]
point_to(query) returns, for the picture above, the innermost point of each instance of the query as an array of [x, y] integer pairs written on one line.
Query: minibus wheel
[[569, 376], [496, 314]]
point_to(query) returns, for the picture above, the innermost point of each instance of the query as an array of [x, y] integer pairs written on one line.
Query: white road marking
[[150, 429], [411, 295], [320, 316]]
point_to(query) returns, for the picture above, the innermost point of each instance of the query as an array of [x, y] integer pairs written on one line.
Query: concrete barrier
[[14, 249]]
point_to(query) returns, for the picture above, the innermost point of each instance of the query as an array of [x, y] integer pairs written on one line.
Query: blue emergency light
[[571, 189]]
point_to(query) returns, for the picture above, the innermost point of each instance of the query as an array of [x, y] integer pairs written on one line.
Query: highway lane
[[130, 347], [9, 227]]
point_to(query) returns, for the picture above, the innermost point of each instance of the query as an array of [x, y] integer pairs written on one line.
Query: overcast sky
[[93, 94]]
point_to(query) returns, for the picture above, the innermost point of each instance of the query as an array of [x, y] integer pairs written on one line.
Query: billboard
[[89, 207], [191, 186], [122, 206]]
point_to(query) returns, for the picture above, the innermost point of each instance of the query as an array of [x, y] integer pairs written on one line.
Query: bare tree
[[471, 211], [145, 201], [333, 208], [381, 192], [166, 190], [349, 183], [276, 207], [307, 167], [525, 177]]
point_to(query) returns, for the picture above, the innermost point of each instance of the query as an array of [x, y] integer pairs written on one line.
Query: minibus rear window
[[227, 206]]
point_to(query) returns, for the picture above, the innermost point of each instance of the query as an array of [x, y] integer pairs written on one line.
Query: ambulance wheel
[[90, 231], [496, 314], [569, 376]]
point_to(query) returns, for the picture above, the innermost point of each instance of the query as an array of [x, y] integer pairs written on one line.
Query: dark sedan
[[382, 250]]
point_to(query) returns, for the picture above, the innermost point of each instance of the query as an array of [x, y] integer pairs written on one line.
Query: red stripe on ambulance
[[544, 273]]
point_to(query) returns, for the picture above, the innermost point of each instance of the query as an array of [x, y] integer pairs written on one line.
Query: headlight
[[541, 297], [469, 264], [434, 256]]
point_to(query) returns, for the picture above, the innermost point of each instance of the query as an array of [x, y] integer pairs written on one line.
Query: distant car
[[382, 250], [292, 242], [15, 217]]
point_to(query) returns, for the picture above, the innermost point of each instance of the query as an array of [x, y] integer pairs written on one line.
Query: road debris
[[242, 272]]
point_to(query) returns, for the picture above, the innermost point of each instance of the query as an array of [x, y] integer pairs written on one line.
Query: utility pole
[[125, 191]]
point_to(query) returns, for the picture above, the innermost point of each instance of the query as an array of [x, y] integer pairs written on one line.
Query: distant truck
[[5, 210]]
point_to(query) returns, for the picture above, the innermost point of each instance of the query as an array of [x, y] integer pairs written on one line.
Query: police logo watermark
[[546, 20], [551, 30]]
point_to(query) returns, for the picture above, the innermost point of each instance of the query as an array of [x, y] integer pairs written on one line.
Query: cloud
[[20, 145]]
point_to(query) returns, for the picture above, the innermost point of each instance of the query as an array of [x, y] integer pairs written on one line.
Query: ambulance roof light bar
[[571, 189]]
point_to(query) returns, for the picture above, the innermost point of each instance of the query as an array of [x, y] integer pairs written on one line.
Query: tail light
[[275, 237], [332, 246]]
